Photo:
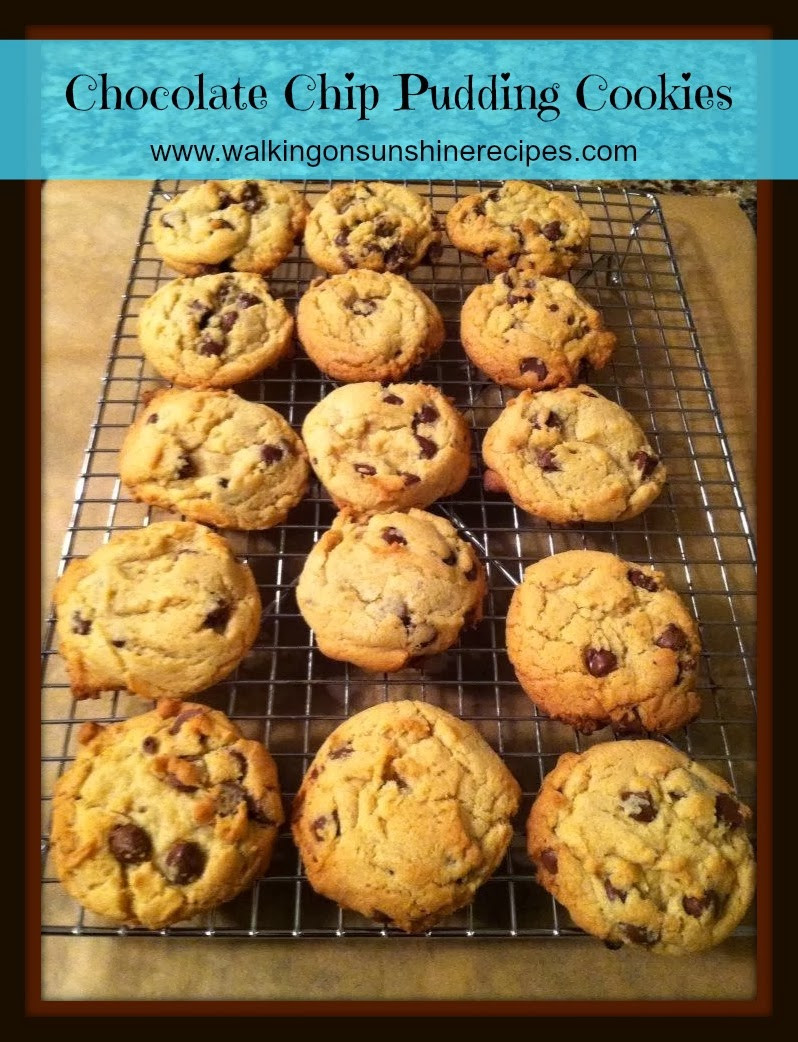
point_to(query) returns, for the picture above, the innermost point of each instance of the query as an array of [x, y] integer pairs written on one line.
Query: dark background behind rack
[[291, 696]]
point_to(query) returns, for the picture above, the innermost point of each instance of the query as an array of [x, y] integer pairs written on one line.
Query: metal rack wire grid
[[289, 695]]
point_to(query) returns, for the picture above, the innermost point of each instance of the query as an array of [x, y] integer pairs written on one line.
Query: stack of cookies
[[405, 810]]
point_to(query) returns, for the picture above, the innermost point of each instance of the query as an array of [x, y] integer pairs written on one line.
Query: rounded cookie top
[[643, 846], [595, 640], [164, 610], [164, 815], [380, 226], [215, 458], [386, 591], [377, 448], [403, 814], [215, 330], [243, 225], [367, 325], [572, 455], [530, 331], [520, 225]]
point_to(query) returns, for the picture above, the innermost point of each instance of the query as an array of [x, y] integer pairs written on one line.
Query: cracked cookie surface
[[377, 448], [385, 592], [374, 225], [520, 225], [164, 610], [238, 225], [595, 640], [215, 330], [572, 455], [643, 846], [403, 815], [529, 331], [216, 458], [164, 815], [367, 325]]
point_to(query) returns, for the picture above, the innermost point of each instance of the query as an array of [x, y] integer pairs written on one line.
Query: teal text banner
[[554, 109]]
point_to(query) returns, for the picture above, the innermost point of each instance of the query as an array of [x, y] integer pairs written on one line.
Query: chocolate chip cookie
[[215, 458], [596, 640], [215, 330], [367, 325], [643, 846], [520, 225], [162, 611], [385, 592], [164, 815], [224, 225], [377, 448], [528, 330], [572, 455], [403, 815], [379, 226]]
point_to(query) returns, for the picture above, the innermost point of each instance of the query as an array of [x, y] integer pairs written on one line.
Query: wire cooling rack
[[289, 695]]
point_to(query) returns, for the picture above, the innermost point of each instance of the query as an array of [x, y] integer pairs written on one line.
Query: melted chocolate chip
[[393, 399], [427, 446], [152, 418], [514, 259], [256, 812], [225, 200], [645, 582], [552, 231], [639, 934], [181, 718], [410, 479], [185, 468], [630, 723], [728, 810], [696, 906], [433, 253], [184, 862], [395, 257], [518, 298], [546, 461], [341, 752], [472, 573], [129, 844], [450, 559], [672, 637], [229, 798], [271, 453], [479, 208], [426, 414], [600, 662], [534, 365], [342, 238], [210, 347], [640, 806], [218, 618], [150, 745], [348, 260], [247, 300], [365, 469], [393, 535], [223, 482], [228, 320], [320, 825], [613, 894], [80, 625], [241, 760], [493, 195], [646, 463], [554, 307], [384, 229], [119, 643], [548, 859], [176, 783]]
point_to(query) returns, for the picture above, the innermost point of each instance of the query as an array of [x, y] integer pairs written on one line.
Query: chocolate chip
[[410, 479], [363, 307], [167, 220], [428, 447], [613, 893], [255, 811], [393, 535], [247, 300], [507, 280], [672, 637], [676, 796], [210, 347], [251, 199], [728, 810], [646, 463], [152, 418], [241, 760], [185, 468], [426, 414], [150, 745], [516, 298], [223, 482], [493, 195], [395, 257], [600, 662], [570, 320], [548, 859], [365, 469], [342, 238], [472, 573], [228, 320], [639, 934], [218, 618], [225, 200], [546, 461], [613, 946], [229, 798], [552, 231], [645, 582], [341, 752], [630, 723], [514, 259], [176, 783], [534, 365], [582, 370], [433, 253], [181, 718], [554, 307], [271, 453], [348, 260], [320, 825], [119, 643], [80, 625], [384, 229], [450, 559], [641, 806], [129, 844], [184, 862], [479, 208], [589, 394], [393, 399], [696, 906]]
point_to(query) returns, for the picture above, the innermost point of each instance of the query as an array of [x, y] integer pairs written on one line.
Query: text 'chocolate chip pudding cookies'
[[405, 812], [386, 592], [164, 815], [643, 846]]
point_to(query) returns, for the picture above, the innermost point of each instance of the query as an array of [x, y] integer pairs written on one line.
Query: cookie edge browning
[[653, 715], [540, 839], [342, 895], [92, 734], [203, 512], [81, 683]]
